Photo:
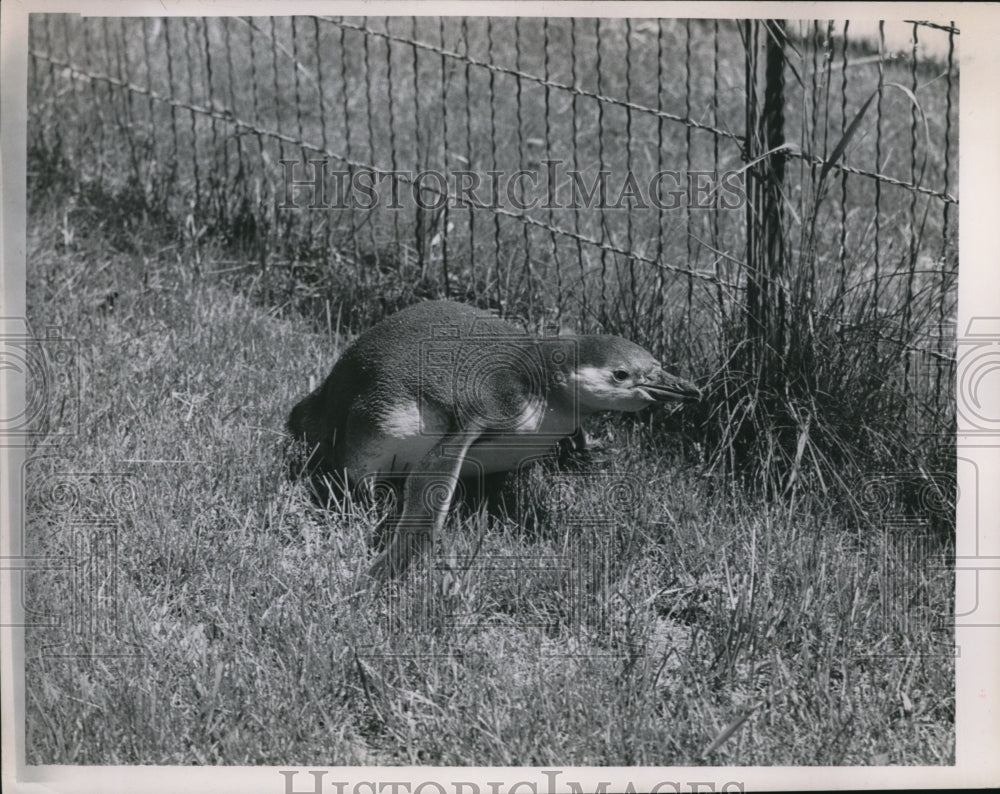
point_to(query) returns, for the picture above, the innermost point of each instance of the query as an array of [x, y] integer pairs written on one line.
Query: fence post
[[766, 325]]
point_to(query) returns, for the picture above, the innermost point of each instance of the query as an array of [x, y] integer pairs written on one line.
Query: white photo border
[[978, 640]]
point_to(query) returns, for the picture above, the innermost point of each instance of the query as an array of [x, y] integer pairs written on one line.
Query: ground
[[702, 626]]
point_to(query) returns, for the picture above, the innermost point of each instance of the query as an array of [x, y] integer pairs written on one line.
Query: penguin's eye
[[620, 375]]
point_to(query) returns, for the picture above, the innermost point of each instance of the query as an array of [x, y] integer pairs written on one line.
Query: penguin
[[443, 391]]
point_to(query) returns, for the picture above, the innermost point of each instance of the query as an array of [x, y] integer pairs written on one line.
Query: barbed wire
[[527, 76], [950, 29], [228, 116], [633, 106]]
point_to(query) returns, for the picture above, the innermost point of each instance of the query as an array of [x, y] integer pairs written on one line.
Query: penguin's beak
[[664, 387]]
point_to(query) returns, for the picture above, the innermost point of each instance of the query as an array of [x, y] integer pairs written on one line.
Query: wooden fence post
[[765, 127]]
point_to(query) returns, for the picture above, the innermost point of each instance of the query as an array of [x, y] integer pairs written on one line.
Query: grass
[[721, 629]]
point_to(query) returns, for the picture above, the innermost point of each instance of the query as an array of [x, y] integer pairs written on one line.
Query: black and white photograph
[[588, 393]]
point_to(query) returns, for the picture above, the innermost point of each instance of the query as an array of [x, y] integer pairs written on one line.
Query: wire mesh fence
[[599, 172]]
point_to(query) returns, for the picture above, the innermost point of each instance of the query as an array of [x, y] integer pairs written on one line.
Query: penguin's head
[[613, 374]]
